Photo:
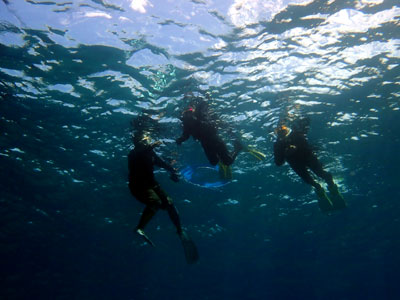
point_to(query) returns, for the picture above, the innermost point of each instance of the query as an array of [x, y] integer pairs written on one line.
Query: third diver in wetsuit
[[145, 188], [292, 146], [198, 124]]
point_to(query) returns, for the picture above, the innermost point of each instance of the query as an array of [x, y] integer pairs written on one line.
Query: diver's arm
[[182, 138], [279, 153], [162, 164], [185, 135]]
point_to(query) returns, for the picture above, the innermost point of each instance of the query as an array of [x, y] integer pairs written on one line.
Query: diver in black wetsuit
[[146, 189], [198, 124], [292, 146]]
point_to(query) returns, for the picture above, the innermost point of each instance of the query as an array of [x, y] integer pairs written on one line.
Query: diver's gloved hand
[[290, 150], [174, 176]]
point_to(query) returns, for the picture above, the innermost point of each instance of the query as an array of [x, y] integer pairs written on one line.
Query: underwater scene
[[199, 149]]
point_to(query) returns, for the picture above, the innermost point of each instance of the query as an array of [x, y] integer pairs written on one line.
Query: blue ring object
[[189, 171]]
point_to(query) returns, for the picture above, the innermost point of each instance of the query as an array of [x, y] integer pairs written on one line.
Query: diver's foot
[[144, 236]]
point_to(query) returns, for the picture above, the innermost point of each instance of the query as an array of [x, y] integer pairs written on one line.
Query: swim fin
[[145, 237], [189, 247], [239, 146], [257, 154], [225, 172], [325, 204], [338, 201]]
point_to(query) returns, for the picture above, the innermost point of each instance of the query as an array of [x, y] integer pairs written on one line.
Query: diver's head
[[188, 112], [282, 131], [143, 139]]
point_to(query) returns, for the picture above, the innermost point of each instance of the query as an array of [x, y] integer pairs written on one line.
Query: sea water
[[73, 74]]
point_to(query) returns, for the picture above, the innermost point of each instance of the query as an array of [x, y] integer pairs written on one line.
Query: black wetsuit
[[145, 188], [295, 149], [141, 162], [200, 127]]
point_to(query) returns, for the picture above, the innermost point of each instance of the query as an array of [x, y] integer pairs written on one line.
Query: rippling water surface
[[74, 73]]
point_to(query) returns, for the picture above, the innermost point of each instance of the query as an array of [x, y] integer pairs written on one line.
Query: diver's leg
[[147, 214], [338, 201], [210, 153], [224, 159], [174, 216], [222, 151], [153, 203], [170, 207], [237, 147], [325, 204], [189, 246], [316, 166], [301, 170]]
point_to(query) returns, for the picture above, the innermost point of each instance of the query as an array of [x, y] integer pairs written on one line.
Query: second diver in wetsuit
[[198, 124], [145, 188], [292, 146]]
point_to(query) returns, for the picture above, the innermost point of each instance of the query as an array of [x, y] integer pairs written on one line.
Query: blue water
[[72, 76]]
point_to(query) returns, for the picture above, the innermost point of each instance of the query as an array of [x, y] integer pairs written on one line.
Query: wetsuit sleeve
[[185, 134], [279, 153], [131, 159], [162, 164]]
